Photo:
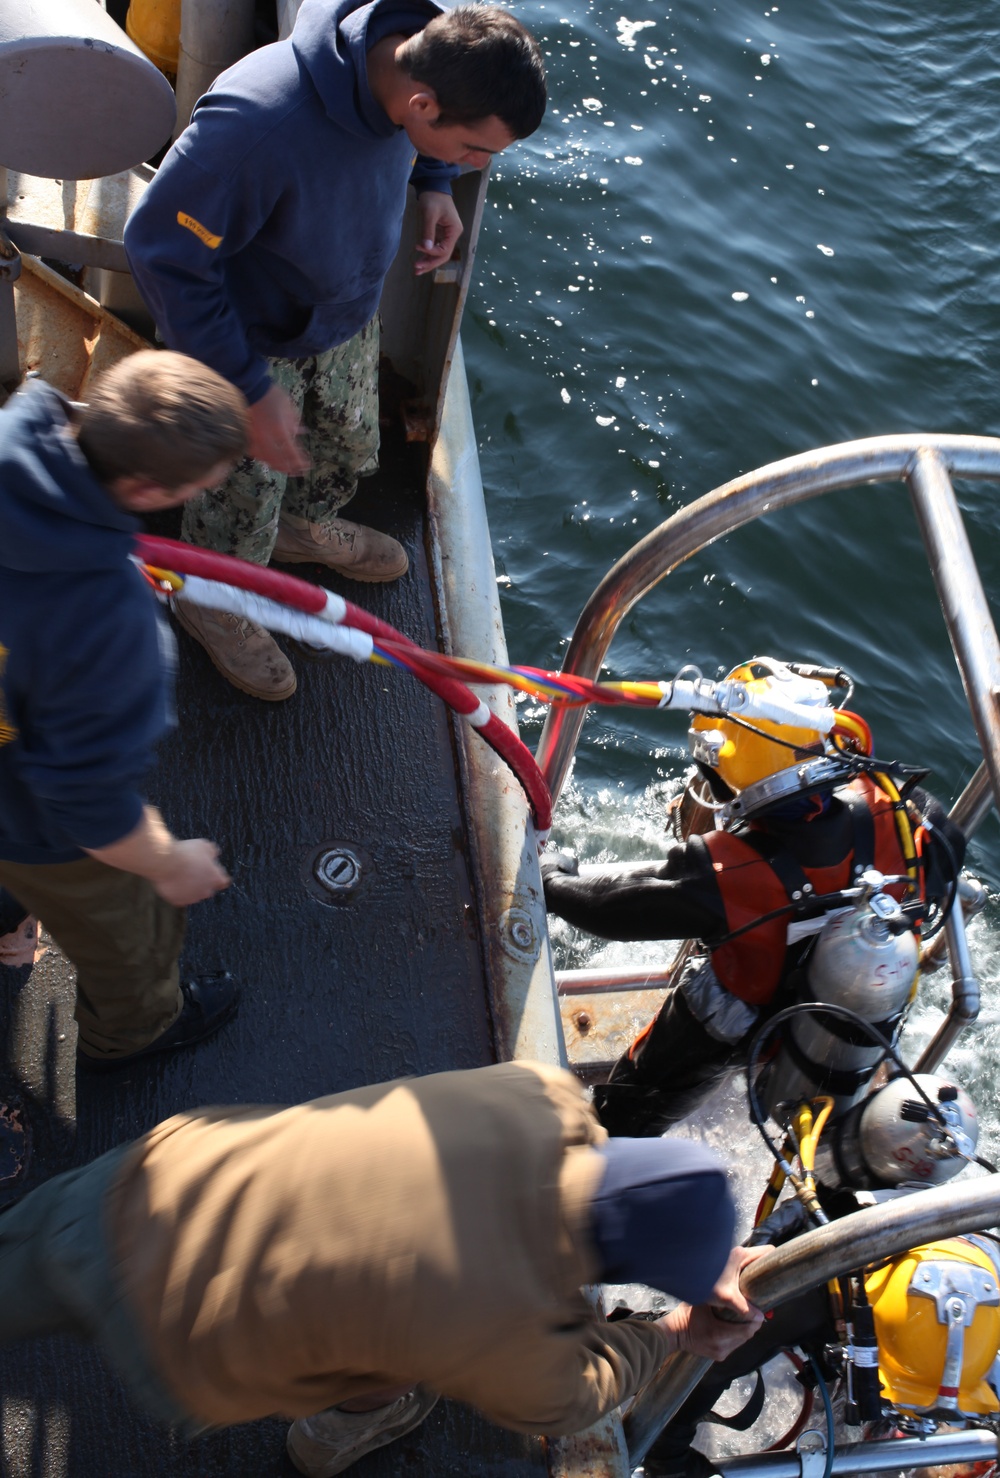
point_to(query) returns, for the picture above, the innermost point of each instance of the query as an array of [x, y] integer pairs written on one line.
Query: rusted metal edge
[[421, 316], [84, 301], [459, 277], [502, 837], [599, 1452], [502, 833]]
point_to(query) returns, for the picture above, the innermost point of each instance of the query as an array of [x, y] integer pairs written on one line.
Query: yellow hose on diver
[[904, 828], [804, 1134]]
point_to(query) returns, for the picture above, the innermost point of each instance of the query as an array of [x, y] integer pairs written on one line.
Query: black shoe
[[209, 1002]]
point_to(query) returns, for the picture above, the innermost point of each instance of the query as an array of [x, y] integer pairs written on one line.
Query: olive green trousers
[[122, 937]]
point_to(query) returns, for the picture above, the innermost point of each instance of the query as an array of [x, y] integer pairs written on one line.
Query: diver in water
[[797, 820], [878, 1336]]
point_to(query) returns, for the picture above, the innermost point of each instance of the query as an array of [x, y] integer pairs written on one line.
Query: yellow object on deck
[[155, 27]]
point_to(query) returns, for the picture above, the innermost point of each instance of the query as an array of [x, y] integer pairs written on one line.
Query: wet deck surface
[[385, 984]]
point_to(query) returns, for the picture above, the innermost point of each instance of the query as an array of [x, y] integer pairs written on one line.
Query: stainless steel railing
[[926, 464], [809, 1261], [923, 462], [902, 1454]]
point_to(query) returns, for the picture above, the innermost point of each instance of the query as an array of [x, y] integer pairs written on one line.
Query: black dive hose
[[845, 1014], [943, 914], [843, 897]]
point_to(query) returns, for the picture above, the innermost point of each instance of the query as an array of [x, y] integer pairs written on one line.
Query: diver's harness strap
[[798, 889], [794, 880], [801, 896], [838, 1081], [864, 829], [743, 1420]]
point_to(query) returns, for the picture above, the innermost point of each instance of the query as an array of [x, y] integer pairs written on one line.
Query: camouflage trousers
[[336, 394]]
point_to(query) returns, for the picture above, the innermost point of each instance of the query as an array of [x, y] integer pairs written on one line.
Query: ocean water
[[743, 231]]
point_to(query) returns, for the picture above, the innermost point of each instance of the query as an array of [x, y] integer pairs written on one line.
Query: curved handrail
[[809, 1261], [769, 489]]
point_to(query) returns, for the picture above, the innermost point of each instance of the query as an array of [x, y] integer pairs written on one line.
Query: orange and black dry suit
[[710, 888]]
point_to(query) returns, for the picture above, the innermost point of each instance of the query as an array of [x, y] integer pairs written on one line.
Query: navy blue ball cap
[[662, 1215]]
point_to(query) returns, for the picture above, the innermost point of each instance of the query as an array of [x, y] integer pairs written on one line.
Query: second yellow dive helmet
[[937, 1322]]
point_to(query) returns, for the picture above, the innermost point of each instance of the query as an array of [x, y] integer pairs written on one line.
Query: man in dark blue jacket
[[85, 692], [263, 242]]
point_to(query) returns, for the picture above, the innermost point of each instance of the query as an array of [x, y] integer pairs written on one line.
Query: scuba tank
[[865, 958], [895, 1138]]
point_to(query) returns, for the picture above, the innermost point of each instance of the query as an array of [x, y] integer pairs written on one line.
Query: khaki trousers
[[123, 939]]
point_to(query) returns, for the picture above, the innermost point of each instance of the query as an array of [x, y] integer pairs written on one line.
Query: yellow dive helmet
[[744, 754], [937, 1322]]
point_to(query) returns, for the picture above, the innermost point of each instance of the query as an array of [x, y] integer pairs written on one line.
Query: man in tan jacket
[[360, 1255]]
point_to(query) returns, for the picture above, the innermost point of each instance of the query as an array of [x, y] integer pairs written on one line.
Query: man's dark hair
[[164, 417], [480, 63]]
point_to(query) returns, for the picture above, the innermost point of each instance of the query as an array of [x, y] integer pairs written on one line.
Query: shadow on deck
[[386, 984]]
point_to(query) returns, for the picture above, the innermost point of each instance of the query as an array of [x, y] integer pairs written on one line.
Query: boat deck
[[386, 983]]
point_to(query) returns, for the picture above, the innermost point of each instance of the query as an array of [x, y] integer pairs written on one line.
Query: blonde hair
[[163, 417]]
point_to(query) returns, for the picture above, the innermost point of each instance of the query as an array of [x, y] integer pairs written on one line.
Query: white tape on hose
[[315, 630]]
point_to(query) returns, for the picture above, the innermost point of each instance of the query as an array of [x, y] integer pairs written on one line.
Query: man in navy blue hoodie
[[85, 692], [263, 242]]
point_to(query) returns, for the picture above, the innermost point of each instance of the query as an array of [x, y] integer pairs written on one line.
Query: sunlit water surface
[[744, 231]]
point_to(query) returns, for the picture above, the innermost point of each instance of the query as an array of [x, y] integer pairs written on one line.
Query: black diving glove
[[554, 861]]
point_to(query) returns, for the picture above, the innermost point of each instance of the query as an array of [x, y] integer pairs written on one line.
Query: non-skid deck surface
[[387, 984]]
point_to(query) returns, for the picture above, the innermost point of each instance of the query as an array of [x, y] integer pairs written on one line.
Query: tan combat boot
[[245, 654], [323, 1445], [356, 551]]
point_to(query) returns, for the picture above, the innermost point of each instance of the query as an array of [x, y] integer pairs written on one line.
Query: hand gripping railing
[[808, 1262]]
